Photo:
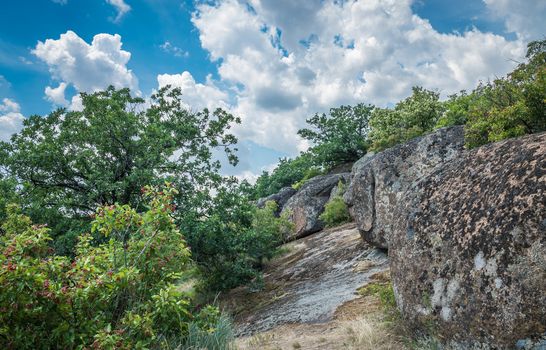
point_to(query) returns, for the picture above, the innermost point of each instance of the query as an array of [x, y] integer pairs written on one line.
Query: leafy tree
[[511, 106], [233, 238], [287, 173], [120, 294], [456, 109], [411, 117], [71, 161], [339, 137], [8, 195]]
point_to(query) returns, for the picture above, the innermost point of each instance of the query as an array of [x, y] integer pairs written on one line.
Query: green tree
[[232, 238], [71, 161], [339, 137], [511, 106], [411, 117], [288, 172]]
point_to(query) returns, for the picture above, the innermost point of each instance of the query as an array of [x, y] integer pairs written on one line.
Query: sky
[[274, 63]]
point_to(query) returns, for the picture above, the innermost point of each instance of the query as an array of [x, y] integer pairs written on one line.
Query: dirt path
[[310, 298]]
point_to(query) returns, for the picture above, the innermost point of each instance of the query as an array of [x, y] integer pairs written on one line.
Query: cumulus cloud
[[56, 95], [525, 18], [11, 120], [196, 95], [121, 7], [87, 67], [283, 69]]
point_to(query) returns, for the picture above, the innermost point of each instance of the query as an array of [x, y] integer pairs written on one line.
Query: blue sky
[[273, 62]]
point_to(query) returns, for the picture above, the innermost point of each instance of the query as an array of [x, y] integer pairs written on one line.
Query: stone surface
[[468, 247], [280, 198], [308, 284], [378, 181], [304, 208]]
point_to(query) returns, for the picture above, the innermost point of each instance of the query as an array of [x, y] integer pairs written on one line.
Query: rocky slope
[[319, 274], [466, 239]]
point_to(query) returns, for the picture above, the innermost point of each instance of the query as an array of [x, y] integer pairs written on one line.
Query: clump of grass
[[220, 337], [384, 291]]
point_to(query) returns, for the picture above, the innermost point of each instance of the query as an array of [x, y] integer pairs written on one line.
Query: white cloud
[[197, 96], [174, 50], [121, 7], [61, 2], [282, 69], [56, 95], [87, 67], [11, 120], [526, 18]]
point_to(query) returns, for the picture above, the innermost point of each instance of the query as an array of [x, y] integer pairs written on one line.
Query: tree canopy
[[69, 162]]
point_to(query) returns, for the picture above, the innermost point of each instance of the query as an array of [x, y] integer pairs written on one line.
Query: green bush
[[233, 238], [120, 294], [412, 117], [287, 173], [309, 174], [511, 106], [336, 211], [339, 137]]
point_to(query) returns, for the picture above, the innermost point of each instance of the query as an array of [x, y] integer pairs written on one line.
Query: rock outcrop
[[468, 244], [280, 198], [379, 181], [304, 208]]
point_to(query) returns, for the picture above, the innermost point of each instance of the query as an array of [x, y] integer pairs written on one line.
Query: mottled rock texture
[[378, 181], [468, 248], [304, 208], [280, 198]]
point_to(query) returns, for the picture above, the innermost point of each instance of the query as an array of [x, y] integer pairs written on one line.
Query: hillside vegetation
[[107, 212]]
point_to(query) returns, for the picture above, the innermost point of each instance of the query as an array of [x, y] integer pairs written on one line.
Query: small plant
[[384, 291], [309, 174], [336, 211]]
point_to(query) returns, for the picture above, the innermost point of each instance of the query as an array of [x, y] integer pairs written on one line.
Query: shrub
[[309, 174], [412, 117], [233, 238], [510, 106], [336, 211], [120, 294], [287, 172]]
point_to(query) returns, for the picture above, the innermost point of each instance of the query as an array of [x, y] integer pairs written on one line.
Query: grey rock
[[280, 198], [468, 247], [378, 181], [305, 207]]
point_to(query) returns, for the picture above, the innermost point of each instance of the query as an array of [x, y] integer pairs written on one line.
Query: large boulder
[[304, 208], [468, 248], [280, 198], [378, 181]]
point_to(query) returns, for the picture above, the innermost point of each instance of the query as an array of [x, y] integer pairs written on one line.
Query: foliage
[[8, 194], [456, 109], [384, 291], [287, 173], [309, 174], [233, 238], [336, 211], [119, 294], [340, 137], [412, 117], [219, 337], [71, 161], [511, 106]]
